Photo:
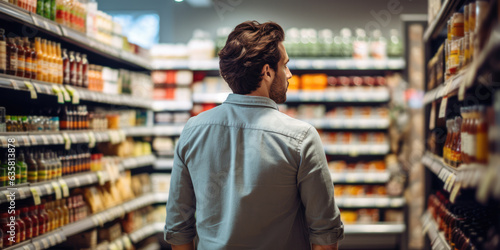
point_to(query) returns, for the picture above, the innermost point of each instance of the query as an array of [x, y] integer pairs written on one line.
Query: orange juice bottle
[[50, 61], [42, 61], [59, 64]]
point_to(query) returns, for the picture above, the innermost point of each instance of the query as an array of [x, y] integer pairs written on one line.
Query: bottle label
[[462, 141], [21, 63], [3, 55], [472, 145], [482, 147], [13, 62], [29, 64]]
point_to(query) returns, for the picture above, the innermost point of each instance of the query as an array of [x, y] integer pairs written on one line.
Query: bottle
[[28, 67], [33, 213], [58, 165], [32, 168], [473, 135], [378, 45], [456, 144], [59, 11], [482, 150], [73, 68], [44, 56], [11, 57], [4, 221], [85, 71], [50, 165], [395, 45], [39, 7], [23, 167], [360, 45], [40, 73], [3, 52], [28, 222], [34, 62], [53, 62], [53, 8], [43, 217], [66, 67], [3, 123], [79, 79], [65, 211], [43, 169], [449, 135], [22, 227], [60, 66], [46, 9], [465, 133]]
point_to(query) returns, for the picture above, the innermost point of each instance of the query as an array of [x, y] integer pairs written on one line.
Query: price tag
[[45, 243], [26, 247], [455, 191], [90, 180], [92, 140], [452, 182], [13, 83], [461, 91], [54, 139], [25, 140], [127, 242], [57, 190], [37, 245], [35, 192], [100, 178], [33, 140], [64, 187], [31, 89], [74, 94], [67, 98], [57, 91], [52, 240], [100, 220], [59, 238], [46, 25], [48, 189], [45, 140], [67, 141], [442, 109], [22, 195], [73, 138], [432, 118], [3, 141], [447, 182], [77, 181]]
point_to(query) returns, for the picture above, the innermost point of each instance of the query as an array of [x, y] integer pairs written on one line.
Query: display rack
[[360, 177], [73, 37], [439, 22], [375, 202], [436, 237]]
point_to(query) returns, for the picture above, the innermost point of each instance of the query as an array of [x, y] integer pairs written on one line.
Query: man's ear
[[267, 72]]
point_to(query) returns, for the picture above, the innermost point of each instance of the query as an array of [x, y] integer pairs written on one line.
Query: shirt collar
[[251, 101]]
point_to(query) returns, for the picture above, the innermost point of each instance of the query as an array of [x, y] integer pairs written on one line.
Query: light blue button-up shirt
[[247, 176]]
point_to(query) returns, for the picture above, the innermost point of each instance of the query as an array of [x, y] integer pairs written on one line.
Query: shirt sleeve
[[316, 191], [181, 205]]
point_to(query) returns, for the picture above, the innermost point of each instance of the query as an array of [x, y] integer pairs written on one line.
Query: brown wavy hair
[[249, 47]]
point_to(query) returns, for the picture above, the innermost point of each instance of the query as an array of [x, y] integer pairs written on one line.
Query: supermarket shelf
[[137, 162], [74, 37], [79, 94], [360, 177], [449, 88], [164, 164], [168, 130], [447, 9], [349, 123], [354, 150], [380, 228], [375, 94], [294, 64], [444, 172], [438, 241], [139, 131], [165, 153], [361, 202], [143, 233], [26, 139], [159, 106]]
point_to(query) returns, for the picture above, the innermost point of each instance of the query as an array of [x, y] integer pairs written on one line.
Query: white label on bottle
[[472, 145], [3, 55], [13, 61], [462, 141]]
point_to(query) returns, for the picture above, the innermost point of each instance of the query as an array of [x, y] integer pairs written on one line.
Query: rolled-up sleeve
[[316, 191], [181, 205]]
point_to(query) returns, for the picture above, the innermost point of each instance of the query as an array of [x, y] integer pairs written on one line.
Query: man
[[246, 176]]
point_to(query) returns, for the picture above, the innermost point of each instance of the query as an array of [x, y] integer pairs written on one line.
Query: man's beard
[[277, 93]]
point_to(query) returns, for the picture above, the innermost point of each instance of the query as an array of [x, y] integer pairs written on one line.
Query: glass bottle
[[21, 63], [22, 166], [34, 62], [32, 168], [346, 45], [85, 72], [395, 45], [3, 52], [66, 67], [65, 211], [449, 135], [79, 79], [59, 64], [360, 45], [28, 222], [4, 220], [33, 213], [482, 149], [22, 227], [44, 56], [39, 7], [53, 62], [473, 135], [51, 171], [12, 52], [73, 68], [43, 169], [51, 216], [456, 144], [42, 213], [28, 68]]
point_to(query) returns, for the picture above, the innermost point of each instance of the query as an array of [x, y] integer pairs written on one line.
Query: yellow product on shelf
[[349, 217]]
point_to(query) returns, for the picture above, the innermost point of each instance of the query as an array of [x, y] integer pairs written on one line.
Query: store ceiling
[[200, 3]]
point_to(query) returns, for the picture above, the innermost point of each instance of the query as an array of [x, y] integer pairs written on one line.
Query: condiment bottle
[[3, 52], [34, 62], [40, 60], [51, 171], [449, 135], [73, 68], [59, 64], [66, 67], [28, 68], [12, 52], [44, 55], [85, 71], [42, 213], [53, 62], [456, 145], [23, 167], [482, 150], [21, 63], [51, 215], [28, 222], [65, 211], [4, 221], [43, 168], [22, 227], [79, 79], [36, 222], [473, 135], [32, 169]]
